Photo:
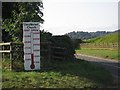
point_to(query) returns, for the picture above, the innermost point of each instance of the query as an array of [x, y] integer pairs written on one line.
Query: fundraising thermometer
[[32, 66]]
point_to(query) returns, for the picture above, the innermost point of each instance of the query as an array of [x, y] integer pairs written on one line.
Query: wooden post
[[11, 56], [3, 55], [49, 52]]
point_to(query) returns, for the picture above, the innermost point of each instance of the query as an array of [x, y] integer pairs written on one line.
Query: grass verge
[[110, 54], [71, 74]]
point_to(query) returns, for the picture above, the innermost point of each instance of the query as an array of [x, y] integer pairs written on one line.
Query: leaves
[[21, 12]]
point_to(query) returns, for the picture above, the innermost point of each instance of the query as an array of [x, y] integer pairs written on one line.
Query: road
[[112, 65]]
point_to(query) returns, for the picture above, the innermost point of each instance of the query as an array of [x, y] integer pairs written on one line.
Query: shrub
[[64, 41], [76, 43]]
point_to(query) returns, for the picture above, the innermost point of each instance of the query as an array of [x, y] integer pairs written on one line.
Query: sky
[[63, 16]]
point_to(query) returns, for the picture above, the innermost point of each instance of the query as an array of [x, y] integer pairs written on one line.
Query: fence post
[[3, 54], [11, 56], [49, 52]]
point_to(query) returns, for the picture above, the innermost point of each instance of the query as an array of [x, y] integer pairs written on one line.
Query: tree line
[[86, 35]]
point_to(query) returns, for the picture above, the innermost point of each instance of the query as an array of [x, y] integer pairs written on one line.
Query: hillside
[[86, 35], [110, 38]]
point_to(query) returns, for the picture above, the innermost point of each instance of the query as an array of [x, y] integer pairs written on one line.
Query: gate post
[[49, 52], [11, 56]]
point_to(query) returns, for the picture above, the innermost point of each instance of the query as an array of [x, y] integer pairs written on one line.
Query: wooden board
[[31, 39]]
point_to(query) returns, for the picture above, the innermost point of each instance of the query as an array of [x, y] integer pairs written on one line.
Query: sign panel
[[31, 39]]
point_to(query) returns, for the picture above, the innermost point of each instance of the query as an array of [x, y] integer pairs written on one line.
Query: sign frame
[[31, 40]]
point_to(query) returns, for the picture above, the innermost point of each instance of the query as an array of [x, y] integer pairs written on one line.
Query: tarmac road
[[112, 65]]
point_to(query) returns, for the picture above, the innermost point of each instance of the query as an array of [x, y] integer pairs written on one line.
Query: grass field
[[71, 74], [111, 54], [110, 38]]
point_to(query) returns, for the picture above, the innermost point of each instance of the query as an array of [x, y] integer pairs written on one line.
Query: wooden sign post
[[31, 39]]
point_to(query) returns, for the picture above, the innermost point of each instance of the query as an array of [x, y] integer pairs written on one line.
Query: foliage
[[77, 74], [6, 37], [45, 36], [76, 43], [110, 38], [7, 10], [86, 35], [65, 42], [20, 12]]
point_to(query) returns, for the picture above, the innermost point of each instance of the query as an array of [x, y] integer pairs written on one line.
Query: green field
[[111, 54], [110, 38], [70, 74]]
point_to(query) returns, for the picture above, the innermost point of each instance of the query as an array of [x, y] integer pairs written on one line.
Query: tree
[[20, 12], [6, 36], [45, 36]]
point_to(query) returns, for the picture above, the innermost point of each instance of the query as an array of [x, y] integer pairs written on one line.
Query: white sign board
[[31, 39]]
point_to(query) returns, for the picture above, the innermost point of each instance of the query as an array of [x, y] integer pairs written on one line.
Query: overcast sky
[[63, 16]]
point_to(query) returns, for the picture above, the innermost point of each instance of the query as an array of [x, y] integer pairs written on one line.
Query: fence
[[59, 53], [12, 50], [15, 52], [46, 53], [114, 46]]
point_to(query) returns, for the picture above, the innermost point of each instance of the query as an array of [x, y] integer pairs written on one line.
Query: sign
[[31, 39]]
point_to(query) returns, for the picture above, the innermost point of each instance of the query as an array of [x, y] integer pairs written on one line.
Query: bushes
[[45, 36], [56, 41], [64, 41], [76, 43]]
